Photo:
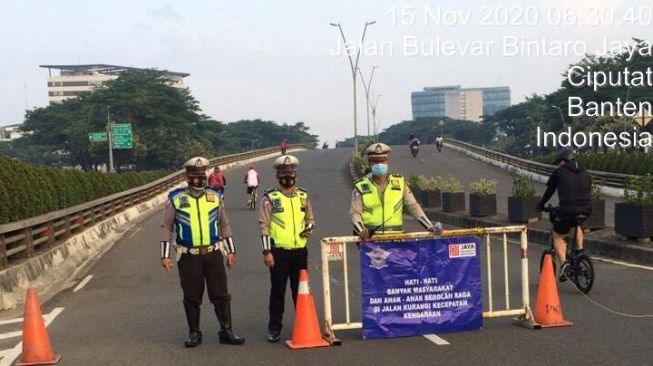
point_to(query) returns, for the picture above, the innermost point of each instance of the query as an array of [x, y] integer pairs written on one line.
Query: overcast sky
[[273, 59]]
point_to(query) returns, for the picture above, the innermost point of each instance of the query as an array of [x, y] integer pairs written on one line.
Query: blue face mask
[[379, 169]]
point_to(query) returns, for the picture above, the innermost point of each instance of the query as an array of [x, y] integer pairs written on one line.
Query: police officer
[[378, 199], [198, 216], [286, 221]]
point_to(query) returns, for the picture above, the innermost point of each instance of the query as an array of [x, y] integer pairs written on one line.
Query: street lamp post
[[354, 67], [562, 118], [367, 95], [111, 170], [441, 124], [373, 107]]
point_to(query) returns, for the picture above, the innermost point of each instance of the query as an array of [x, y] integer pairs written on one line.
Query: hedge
[[28, 190]]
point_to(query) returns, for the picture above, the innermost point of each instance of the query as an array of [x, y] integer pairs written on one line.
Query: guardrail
[[614, 180], [26, 238]]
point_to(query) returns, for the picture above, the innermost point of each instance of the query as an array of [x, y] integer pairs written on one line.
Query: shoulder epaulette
[[396, 175], [301, 189], [175, 192], [271, 190]]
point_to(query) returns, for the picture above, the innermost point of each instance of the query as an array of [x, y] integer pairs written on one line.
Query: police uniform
[[200, 223], [285, 220], [378, 206]]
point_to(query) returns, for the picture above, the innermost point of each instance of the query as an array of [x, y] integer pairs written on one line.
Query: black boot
[[227, 336], [193, 318]]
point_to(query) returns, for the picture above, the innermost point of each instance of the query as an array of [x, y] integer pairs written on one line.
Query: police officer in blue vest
[[198, 217], [286, 221]]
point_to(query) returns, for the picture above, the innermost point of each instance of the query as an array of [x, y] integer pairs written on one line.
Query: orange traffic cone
[[548, 312], [305, 329], [36, 343]]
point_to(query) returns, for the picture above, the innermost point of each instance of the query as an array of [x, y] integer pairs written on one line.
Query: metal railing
[[614, 180], [334, 249], [26, 238]]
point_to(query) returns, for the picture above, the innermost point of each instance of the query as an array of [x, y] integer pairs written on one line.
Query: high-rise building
[[457, 103], [76, 79]]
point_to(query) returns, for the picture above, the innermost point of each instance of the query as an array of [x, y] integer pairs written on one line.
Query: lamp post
[[111, 170], [562, 118], [354, 67], [373, 107], [441, 124], [367, 95]]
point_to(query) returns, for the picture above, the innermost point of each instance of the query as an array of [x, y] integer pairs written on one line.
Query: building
[[73, 80], [457, 103], [11, 132]]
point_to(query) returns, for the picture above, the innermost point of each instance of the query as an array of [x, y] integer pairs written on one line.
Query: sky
[[279, 61]]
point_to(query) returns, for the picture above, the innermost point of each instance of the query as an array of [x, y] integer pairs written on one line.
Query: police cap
[[286, 163], [197, 164], [378, 150]]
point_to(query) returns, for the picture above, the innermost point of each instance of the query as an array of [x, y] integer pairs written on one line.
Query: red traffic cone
[[36, 343], [305, 329], [548, 311]]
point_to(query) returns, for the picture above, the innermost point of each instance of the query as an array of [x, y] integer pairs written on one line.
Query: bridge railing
[[26, 238], [614, 180]]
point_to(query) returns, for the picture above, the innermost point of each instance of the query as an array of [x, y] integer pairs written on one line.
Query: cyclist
[[438, 143], [283, 145], [574, 184], [252, 180], [217, 180]]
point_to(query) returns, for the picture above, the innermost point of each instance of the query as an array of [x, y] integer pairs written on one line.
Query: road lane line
[[134, 233], [435, 339], [10, 321], [83, 283], [12, 354]]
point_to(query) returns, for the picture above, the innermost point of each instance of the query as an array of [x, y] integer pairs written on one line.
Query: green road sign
[[121, 135], [97, 136]]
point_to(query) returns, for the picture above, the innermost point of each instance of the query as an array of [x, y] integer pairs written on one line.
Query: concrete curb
[[621, 251], [56, 269]]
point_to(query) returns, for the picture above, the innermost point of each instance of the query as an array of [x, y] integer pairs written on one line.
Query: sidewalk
[[604, 243]]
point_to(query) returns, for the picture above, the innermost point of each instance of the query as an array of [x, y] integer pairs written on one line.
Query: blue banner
[[420, 287]]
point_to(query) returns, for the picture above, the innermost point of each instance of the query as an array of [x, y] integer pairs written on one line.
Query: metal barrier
[[335, 249], [614, 180], [26, 238]]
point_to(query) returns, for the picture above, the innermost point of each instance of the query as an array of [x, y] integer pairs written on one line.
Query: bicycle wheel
[[583, 273]]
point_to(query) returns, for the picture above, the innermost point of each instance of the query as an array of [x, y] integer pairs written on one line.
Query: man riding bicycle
[[251, 178], [574, 184]]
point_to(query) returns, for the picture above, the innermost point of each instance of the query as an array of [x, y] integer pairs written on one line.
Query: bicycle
[[253, 196], [581, 268]]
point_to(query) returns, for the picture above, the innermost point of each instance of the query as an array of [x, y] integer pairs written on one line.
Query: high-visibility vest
[[385, 216], [287, 218], [196, 218]]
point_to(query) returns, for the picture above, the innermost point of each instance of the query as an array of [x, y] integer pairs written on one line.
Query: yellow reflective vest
[[383, 215], [196, 218], [287, 218]]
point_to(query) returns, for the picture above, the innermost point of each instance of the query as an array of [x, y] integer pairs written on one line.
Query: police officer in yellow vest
[[198, 216], [286, 221], [379, 198]]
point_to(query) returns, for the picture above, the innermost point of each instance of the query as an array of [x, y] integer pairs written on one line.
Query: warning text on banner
[[421, 287]]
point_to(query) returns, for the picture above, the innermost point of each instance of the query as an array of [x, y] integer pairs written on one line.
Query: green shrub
[[451, 185], [522, 187], [483, 187], [638, 190]]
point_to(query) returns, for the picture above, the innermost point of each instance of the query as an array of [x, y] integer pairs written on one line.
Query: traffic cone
[[305, 329], [36, 343], [548, 312]]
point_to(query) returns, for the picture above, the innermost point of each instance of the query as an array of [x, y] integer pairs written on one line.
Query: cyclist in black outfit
[[574, 184]]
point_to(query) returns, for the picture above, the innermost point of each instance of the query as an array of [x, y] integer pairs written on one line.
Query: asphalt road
[[131, 312]]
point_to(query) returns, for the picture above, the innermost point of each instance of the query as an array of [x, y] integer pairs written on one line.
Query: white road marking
[[9, 355], [82, 283], [10, 321], [435, 339], [10, 334], [134, 233]]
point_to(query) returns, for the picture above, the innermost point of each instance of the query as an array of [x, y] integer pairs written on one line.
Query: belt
[[205, 249]]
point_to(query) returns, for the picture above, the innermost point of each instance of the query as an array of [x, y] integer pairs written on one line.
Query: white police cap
[[197, 163], [378, 149], [286, 163]]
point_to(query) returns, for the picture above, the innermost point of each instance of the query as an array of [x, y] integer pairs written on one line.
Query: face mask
[[197, 182], [379, 169], [287, 181]]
